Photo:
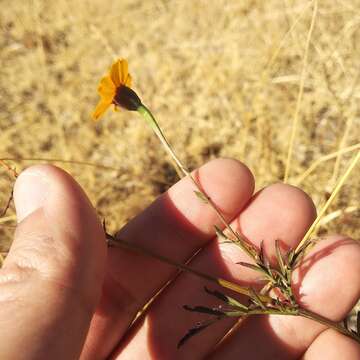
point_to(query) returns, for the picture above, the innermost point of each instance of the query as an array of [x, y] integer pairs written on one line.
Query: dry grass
[[221, 77]]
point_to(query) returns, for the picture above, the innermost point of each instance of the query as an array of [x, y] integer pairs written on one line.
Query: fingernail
[[30, 192]]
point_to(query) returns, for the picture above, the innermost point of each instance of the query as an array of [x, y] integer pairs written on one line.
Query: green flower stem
[[148, 116], [219, 281], [266, 311], [242, 243]]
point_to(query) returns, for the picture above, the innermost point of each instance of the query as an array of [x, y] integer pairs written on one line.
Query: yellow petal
[[128, 81], [106, 88], [115, 73], [101, 107], [123, 71]]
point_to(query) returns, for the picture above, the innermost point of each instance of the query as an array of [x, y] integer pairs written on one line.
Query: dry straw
[[300, 95]]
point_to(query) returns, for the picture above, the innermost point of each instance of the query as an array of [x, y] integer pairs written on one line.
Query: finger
[[327, 283], [331, 345], [176, 225], [51, 280], [277, 212]]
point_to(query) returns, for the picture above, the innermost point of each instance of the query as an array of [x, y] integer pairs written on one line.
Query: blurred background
[[222, 77]]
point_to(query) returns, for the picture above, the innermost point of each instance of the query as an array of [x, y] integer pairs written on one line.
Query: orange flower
[[115, 89]]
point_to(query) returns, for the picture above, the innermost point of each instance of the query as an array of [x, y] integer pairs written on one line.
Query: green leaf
[[251, 266], [267, 288], [255, 297], [227, 299], [236, 313], [301, 252], [217, 294], [195, 330], [201, 196], [262, 254], [290, 257], [220, 233]]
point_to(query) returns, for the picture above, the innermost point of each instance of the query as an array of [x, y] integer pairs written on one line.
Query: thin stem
[[78, 162], [266, 311], [337, 213], [283, 41], [331, 324], [149, 117], [7, 206], [9, 168], [300, 312], [321, 159], [300, 95], [348, 125], [328, 203], [222, 282], [242, 243]]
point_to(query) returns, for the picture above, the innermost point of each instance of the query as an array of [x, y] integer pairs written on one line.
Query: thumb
[[51, 280]]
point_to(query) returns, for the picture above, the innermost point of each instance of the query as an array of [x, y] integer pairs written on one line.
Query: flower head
[[114, 88]]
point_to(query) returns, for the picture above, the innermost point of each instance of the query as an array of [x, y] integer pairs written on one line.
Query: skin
[[64, 295]]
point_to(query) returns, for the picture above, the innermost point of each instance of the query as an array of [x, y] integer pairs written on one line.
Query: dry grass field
[[224, 78]]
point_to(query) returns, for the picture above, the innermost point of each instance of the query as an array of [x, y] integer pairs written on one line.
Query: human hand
[[63, 294]]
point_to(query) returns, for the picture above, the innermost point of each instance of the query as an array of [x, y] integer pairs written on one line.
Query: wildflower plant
[[276, 297]]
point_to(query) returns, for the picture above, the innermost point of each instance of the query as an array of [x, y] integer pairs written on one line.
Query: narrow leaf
[[201, 196], [256, 299], [225, 242], [301, 252], [267, 288], [289, 257], [227, 299], [251, 266], [193, 331], [294, 258], [217, 294], [261, 252], [265, 268], [220, 233]]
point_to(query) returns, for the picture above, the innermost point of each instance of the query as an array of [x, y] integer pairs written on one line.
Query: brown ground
[[222, 77]]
